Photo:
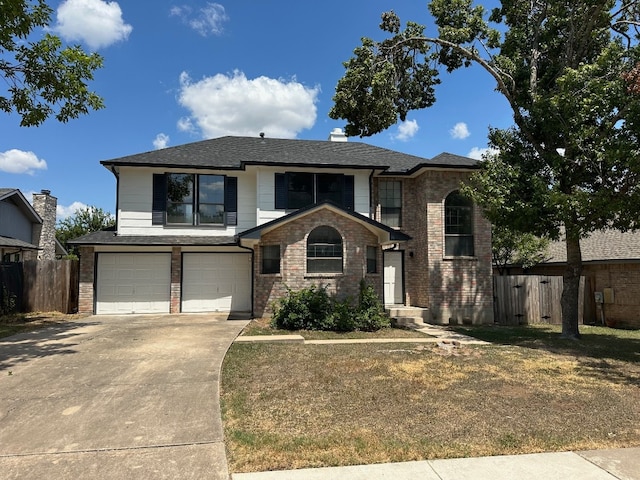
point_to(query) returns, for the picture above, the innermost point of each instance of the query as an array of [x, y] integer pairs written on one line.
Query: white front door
[[393, 278], [216, 282]]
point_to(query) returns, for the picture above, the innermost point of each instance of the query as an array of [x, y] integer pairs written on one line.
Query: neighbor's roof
[[237, 152], [17, 197], [601, 246], [15, 243]]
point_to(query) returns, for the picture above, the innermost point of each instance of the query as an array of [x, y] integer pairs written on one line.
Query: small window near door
[[271, 259], [324, 251], [372, 259], [458, 226]]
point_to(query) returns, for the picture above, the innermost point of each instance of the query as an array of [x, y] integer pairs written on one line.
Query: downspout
[[115, 174], [372, 213], [252, 271]]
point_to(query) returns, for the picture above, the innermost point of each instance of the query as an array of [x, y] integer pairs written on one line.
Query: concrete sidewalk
[[108, 397], [619, 464]]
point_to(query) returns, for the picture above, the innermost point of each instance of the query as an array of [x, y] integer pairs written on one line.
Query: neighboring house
[[229, 224], [28, 232], [611, 263]]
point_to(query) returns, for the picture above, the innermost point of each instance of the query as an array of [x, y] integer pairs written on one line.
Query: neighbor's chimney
[[45, 235], [337, 135]]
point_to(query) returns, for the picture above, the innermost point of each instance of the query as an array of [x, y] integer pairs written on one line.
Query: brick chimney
[[45, 235]]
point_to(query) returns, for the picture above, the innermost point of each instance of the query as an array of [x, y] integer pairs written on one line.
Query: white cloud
[[95, 22], [63, 212], [407, 130], [234, 105], [459, 131], [206, 21], [161, 141], [479, 153], [19, 161]]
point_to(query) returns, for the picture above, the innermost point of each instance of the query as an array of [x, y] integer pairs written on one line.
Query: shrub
[[312, 309], [306, 309]]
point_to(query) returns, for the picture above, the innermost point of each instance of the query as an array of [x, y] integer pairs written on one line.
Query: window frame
[[284, 194], [384, 199], [162, 202], [372, 259], [459, 240], [322, 248], [270, 270]]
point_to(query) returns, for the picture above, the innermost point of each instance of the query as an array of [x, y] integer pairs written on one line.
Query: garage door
[[133, 283], [216, 282]]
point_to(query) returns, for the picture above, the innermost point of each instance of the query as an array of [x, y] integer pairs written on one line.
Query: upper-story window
[[458, 225], [192, 199], [390, 195], [300, 189], [324, 251]]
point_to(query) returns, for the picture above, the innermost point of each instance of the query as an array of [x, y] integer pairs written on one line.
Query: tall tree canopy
[[84, 220], [569, 70], [41, 76]]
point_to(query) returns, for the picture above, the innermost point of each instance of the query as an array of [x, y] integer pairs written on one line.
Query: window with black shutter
[[295, 190], [191, 199]]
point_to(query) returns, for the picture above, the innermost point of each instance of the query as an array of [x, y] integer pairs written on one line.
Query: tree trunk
[[571, 287]]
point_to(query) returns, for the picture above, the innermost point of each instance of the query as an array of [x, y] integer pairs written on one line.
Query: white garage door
[[133, 283], [216, 282]]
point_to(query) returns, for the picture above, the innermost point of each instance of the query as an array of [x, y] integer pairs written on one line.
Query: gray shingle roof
[[236, 152], [601, 246], [109, 237], [15, 243]]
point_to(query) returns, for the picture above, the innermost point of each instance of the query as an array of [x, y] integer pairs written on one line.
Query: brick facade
[[176, 280], [455, 290], [85, 278], [622, 278], [292, 239]]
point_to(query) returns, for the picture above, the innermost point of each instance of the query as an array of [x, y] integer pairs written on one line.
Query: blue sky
[[181, 71]]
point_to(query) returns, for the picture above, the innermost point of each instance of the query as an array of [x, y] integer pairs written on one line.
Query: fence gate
[[11, 287], [529, 299]]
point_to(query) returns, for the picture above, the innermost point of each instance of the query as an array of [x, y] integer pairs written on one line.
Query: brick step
[[408, 322], [410, 312]]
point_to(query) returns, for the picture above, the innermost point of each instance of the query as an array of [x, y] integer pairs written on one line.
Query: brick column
[[85, 278], [176, 274]]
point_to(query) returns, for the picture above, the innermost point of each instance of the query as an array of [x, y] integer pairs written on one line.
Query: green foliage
[[570, 72], [313, 309], [85, 220], [43, 78], [509, 247]]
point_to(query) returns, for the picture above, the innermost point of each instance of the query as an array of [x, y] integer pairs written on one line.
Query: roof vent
[[337, 135], [261, 134]]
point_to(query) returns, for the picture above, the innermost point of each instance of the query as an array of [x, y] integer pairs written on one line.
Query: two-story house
[[229, 224]]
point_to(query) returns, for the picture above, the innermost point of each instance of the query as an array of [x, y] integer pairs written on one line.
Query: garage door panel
[[133, 283], [216, 282]]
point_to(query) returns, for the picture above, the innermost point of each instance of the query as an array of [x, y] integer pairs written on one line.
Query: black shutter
[[159, 202], [281, 191], [348, 193], [231, 200]]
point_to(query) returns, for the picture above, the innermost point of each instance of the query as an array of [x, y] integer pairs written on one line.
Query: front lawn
[[294, 406]]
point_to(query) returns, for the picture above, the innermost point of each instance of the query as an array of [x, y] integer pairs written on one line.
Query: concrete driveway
[[115, 397]]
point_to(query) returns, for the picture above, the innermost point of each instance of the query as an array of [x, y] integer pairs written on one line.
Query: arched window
[[324, 251], [458, 226]]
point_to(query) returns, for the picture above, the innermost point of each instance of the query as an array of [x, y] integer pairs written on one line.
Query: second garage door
[[216, 282]]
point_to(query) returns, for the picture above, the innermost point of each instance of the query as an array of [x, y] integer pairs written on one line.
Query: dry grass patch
[[25, 322], [294, 406]]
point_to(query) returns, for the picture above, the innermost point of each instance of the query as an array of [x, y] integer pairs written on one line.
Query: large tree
[[84, 220], [42, 77], [570, 72]]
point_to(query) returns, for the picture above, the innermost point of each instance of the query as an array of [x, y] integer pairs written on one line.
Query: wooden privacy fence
[[529, 299], [46, 285]]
